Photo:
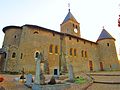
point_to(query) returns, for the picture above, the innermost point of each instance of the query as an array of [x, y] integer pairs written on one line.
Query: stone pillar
[[71, 73], [37, 75]]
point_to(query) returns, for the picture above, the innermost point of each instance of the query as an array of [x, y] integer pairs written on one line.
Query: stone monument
[[37, 60], [36, 85], [29, 80], [71, 74]]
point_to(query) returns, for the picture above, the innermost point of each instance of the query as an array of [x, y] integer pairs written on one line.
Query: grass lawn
[[80, 80]]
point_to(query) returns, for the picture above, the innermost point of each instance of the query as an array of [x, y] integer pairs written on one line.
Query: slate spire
[[69, 17], [104, 35]]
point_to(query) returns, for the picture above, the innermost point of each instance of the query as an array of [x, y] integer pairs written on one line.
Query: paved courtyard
[[10, 83]]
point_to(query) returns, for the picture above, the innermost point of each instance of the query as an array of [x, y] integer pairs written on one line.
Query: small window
[[53, 34], [82, 53], [69, 38], [108, 44], [84, 42], [13, 55], [5, 54], [35, 32], [85, 53], [91, 43], [51, 49], [56, 49], [77, 40], [15, 36], [76, 26], [73, 25], [21, 56], [70, 51], [74, 52]]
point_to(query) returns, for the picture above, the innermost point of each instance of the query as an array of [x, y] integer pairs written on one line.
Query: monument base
[[36, 87], [50, 87]]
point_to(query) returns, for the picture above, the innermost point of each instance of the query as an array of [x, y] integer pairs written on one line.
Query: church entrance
[[101, 66], [91, 65]]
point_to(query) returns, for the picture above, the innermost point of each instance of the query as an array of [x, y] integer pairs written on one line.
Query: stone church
[[58, 49]]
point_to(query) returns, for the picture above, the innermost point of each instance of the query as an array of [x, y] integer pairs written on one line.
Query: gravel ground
[[10, 83]]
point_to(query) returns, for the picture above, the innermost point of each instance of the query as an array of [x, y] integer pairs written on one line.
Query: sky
[[91, 14]]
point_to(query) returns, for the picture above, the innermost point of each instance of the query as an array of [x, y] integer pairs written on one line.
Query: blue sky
[[91, 14]]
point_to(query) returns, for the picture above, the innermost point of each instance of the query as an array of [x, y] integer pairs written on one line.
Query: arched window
[[15, 36], [56, 49], [13, 55], [74, 52], [35, 32], [70, 51], [85, 53], [82, 53], [36, 54], [51, 49]]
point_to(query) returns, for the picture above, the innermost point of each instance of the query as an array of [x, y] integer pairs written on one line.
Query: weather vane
[[69, 6], [119, 18], [103, 27]]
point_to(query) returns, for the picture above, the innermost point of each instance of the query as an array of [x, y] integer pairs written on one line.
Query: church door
[[91, 65], [101, 66]]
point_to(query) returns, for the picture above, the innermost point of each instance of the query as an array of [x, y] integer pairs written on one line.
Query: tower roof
[[69, 16], [104, 35]]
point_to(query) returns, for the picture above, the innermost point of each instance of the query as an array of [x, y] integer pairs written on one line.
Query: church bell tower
[[70, 25]]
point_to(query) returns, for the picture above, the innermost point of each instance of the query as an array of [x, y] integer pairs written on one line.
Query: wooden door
[[90, 65], [101, 66]]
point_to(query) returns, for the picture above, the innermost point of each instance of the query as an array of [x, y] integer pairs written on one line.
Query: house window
[[108, 44], [85, 53], [56, 49], [70, 51], [74, 52], [77, 40], [21, 56], [51, 49], [13, 55], [82, 53]]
